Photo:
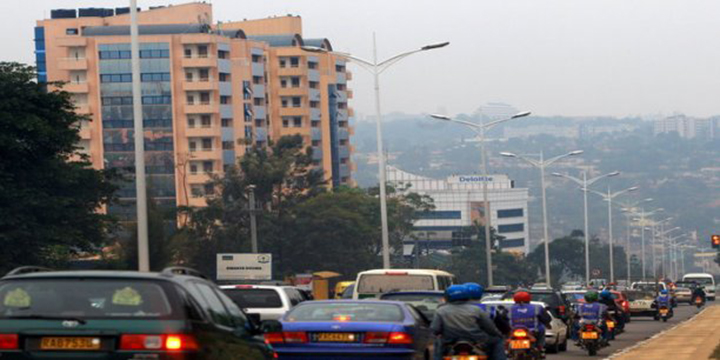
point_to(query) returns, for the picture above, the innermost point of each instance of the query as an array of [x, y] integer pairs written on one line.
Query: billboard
[[244, 266], [478, 215]]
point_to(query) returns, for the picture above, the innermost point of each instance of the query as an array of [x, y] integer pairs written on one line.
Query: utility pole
[[253, 221]]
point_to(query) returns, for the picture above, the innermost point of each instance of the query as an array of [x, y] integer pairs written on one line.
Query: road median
[[696, 338]]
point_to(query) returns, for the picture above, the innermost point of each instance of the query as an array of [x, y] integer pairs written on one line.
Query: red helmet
[[522, 297]]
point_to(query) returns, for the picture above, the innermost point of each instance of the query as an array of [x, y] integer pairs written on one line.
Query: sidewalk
[[693, 339]]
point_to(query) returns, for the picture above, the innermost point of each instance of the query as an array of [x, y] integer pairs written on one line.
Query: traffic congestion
[[179, 313]]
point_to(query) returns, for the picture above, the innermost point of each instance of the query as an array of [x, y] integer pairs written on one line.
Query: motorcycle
[[522, 345], [699, 302], [464, 350], [611, 328], [663, 313], [591, 338]]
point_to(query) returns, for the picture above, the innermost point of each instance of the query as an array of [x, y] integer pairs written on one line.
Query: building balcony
[[202, 154], [294, 91], [203, 131], [292, 71], [71, 41], [76, 87], [204, 62], [200, 85], [198, 108], [73, 64], [294, 111], [198, 177]]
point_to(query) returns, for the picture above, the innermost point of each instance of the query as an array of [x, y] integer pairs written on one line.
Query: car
[[649, 285], [703, 279], [373, 283], [426, 302], [641, 302], [572, 285], [348, 293], [574, 297], [336, 329], [556, 338], [264, 302], [684, 291], [340, 288], [174, 314], [622, 302]]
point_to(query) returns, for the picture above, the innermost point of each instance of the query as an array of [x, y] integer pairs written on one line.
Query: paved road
[[637, 330]]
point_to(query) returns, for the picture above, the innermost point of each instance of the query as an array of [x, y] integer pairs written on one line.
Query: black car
[[175, 314]]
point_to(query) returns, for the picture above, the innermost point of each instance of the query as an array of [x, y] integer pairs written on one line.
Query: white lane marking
[[628, 349]]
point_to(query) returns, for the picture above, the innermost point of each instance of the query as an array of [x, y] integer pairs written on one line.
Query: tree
[[50, 197]]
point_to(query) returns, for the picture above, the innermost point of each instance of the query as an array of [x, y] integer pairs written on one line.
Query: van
[[373, 283], [703, 279], [264, 302], [649, 286]]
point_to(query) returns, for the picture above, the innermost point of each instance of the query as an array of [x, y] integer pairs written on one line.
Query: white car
[[556, 338], [264, 302]]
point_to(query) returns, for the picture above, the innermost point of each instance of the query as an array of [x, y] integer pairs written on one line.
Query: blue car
[[333, 329]]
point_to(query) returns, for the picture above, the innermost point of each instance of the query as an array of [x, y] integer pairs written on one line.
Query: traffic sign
[[596, 272], [244, 266]]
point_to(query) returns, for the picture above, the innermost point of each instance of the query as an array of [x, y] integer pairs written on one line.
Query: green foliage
[[49, 194]]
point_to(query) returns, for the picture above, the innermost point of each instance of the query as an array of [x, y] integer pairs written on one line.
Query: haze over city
[[557, 57]]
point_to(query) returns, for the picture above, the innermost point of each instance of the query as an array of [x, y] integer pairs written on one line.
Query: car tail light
[[9, 342], [589, 327], [561, 309], [295, 337], [399, 338], [274, 338], [376, 338], [519, 333], [244, 287], [175, 342]]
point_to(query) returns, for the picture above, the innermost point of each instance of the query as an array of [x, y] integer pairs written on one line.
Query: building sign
[[469, 179], [244, 266]]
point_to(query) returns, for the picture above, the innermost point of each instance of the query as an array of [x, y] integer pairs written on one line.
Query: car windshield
[[425, 303], [348, 293], [85, 298], [345, 312], [646, 287], [381, 283], [641, 295], [701, 280], [575, 296], [255, 298]]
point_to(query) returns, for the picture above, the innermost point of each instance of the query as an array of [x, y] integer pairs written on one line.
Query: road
[[637, 330]]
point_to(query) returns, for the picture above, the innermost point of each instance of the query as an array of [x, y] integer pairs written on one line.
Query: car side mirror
[[271, 326]]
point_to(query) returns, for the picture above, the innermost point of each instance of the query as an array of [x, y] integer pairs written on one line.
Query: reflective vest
[[663, 300], [591, 311], [490, 310], [526, 315]]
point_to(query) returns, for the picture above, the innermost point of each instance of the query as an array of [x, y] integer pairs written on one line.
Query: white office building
[[459, 204]]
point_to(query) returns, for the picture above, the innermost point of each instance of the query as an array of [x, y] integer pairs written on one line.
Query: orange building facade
[[210, 92]]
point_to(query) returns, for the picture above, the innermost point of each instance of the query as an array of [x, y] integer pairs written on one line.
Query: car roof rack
[[181, 270], [27, 270]]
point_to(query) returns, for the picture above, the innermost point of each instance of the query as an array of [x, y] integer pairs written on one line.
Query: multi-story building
[[459, 204], [687, 127], [209, 93]]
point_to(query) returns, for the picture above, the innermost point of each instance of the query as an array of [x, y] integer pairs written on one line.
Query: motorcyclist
[[699, 291], [607, 299], [460, 320], [498, 315], [531, 316], [664, 299], [591, 312]]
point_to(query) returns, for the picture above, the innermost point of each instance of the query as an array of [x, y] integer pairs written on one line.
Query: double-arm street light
[[609, 196], [541, 163], [643, 216], [628, 209], [480, 130], [673, 256], [376, 68], [661, 226], [585, 183], [660, 235]]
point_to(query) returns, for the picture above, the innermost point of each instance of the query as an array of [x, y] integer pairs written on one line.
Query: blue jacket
[[663, 300], [526, 315], [593, 312]]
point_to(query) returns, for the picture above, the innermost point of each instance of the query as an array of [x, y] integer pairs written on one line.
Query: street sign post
[[244, 266]]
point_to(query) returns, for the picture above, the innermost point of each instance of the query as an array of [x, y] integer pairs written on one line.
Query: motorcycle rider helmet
[[475, 291], [522, 297], [456, 293], [606, 294], [591, 296], [663, 292]]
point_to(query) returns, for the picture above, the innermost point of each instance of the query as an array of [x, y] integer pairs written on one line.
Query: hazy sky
[[554, 57]]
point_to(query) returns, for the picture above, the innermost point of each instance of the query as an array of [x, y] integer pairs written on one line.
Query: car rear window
[[86, 298], [575, 296], [550, 299], [381, 283], [255, 298], [641, 295], [346, 312], [426, 303]]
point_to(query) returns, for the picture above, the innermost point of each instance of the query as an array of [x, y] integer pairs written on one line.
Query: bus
[[703, 279], [373, 283]]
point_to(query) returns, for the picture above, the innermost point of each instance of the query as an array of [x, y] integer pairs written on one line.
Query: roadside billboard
[[244, 266]]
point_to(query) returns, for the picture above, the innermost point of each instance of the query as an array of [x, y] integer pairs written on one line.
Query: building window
[[294, 61], [204, 98], [207, 166], [222, 54], [190, 99], [202, 51], [191, 123], [196, 190], [188, 53], [247, 90], [207, 144], [225, 100], [258, 102], [314, 104], [343, 142], [209, 189], [224, 77], [315, 123], [296, 101], [295, 81], [71, 31], [511, 228], [228, 145], [314, 84], [512, 243], [297, 121], [205, 121], [192, 145], [258, 80], [188, 76], [193, 168], [316, 143], [341, 87], [340, 68], [283, 83], [257, 58], [226, 122], [312, 65], [204, 74], [510, 213], [283, 62]]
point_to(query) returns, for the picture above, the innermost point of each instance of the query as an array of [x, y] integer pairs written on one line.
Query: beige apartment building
[[210, 91]]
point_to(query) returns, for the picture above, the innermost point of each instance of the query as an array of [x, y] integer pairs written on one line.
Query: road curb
[[642, 343]]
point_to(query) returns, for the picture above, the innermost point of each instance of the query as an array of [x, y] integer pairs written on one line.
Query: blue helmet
[[663, 292], [606, 294], [475, 291], [456, 293]]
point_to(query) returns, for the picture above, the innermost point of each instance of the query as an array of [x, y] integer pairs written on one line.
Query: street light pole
[[542, 164], [377, 68], [479, 130], [629, 208], [584, 186], [609, 198], [139, 139], [253, 218]]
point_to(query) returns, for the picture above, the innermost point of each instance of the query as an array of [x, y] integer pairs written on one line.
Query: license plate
[[590, 335], [336, 337], [610, 324], [519, 344], [70, 343]]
